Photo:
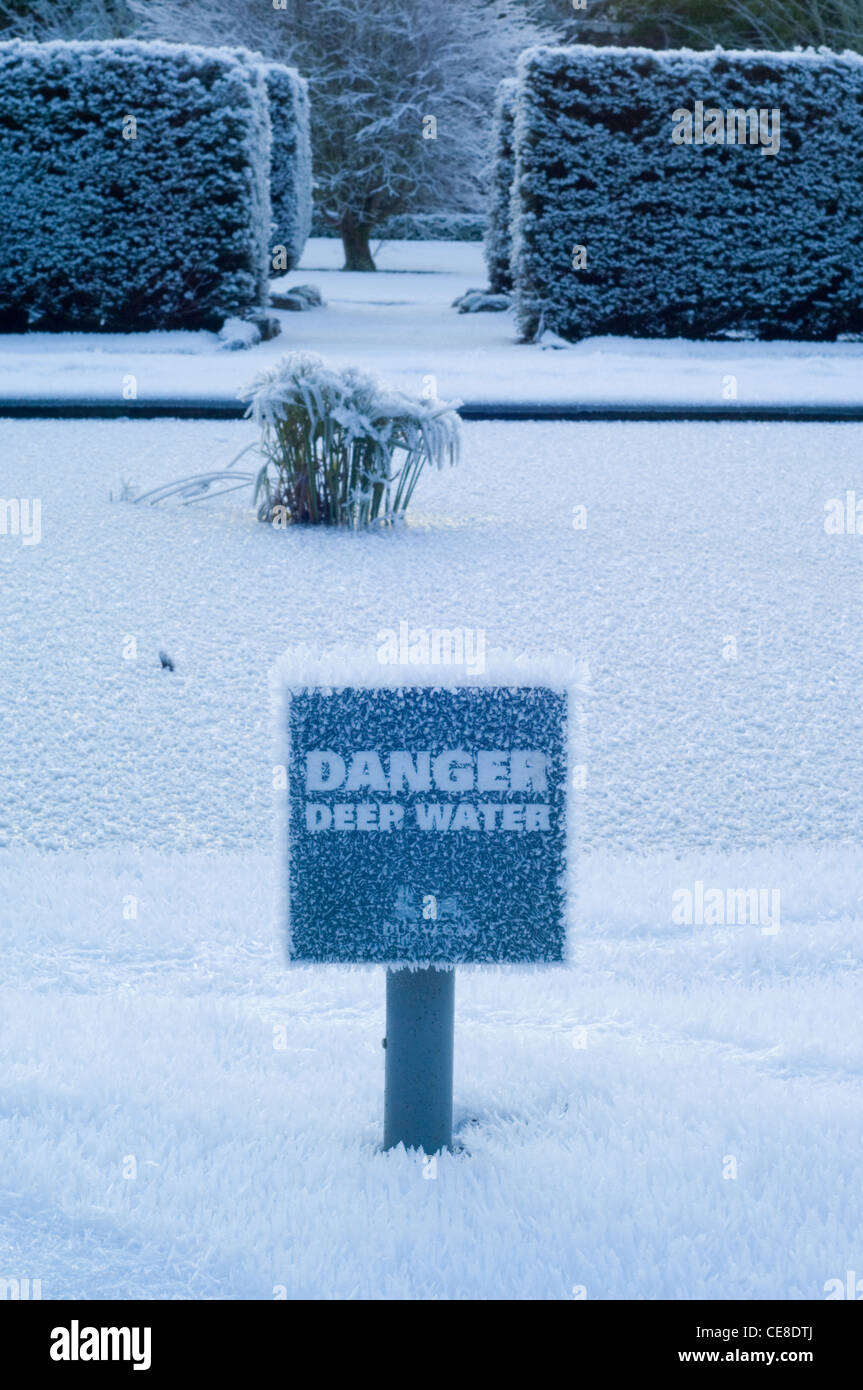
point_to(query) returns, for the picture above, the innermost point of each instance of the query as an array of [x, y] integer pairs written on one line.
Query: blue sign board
[[427, 824]]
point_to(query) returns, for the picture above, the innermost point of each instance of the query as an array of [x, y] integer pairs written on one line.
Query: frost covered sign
[[426, 821]]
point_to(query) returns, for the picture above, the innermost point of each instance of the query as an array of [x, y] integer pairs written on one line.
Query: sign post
[[426, 828], [419, 1044]]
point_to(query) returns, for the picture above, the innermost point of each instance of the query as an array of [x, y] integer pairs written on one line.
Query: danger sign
[[427, 824]]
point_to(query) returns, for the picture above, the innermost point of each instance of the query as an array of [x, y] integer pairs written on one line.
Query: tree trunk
[[355, 240]]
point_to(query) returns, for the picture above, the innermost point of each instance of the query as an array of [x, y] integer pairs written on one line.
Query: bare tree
[[401, 92]]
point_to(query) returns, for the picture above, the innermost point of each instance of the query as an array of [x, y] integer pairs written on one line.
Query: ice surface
[[695, 533]]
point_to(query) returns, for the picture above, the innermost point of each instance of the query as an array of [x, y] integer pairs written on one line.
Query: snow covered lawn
[[399, 322], [251, 1099], [599, 1105]]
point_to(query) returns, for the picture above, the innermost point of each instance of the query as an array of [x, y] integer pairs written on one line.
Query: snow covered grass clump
[[684, 194], [342, 448], [290, 166], [136, 185], [498, 242]]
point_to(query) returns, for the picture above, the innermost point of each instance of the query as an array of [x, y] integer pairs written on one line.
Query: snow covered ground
[[399, 322], [599, 1106]]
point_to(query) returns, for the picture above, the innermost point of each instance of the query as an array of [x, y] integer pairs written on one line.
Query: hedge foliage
[[290, 166], [135, 181], [688, 239], [498, 241]]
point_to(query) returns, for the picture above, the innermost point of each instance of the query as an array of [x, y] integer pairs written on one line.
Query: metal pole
[[419, 1046]]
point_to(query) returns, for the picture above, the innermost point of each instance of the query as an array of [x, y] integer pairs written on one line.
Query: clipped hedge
[[135, 185], [688, 239], [290, 166], [497, 247]]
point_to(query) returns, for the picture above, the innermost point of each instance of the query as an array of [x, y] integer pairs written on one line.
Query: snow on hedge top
[[686, 193], [136, 179], [550, 56]]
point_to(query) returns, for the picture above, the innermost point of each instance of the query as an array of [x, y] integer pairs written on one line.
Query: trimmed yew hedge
[[695, 240]]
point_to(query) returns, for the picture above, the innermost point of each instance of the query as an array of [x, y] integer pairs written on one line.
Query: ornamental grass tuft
[[341, 448]]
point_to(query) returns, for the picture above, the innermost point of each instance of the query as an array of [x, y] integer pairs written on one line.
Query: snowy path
[[598, 1105], [399, 322]]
